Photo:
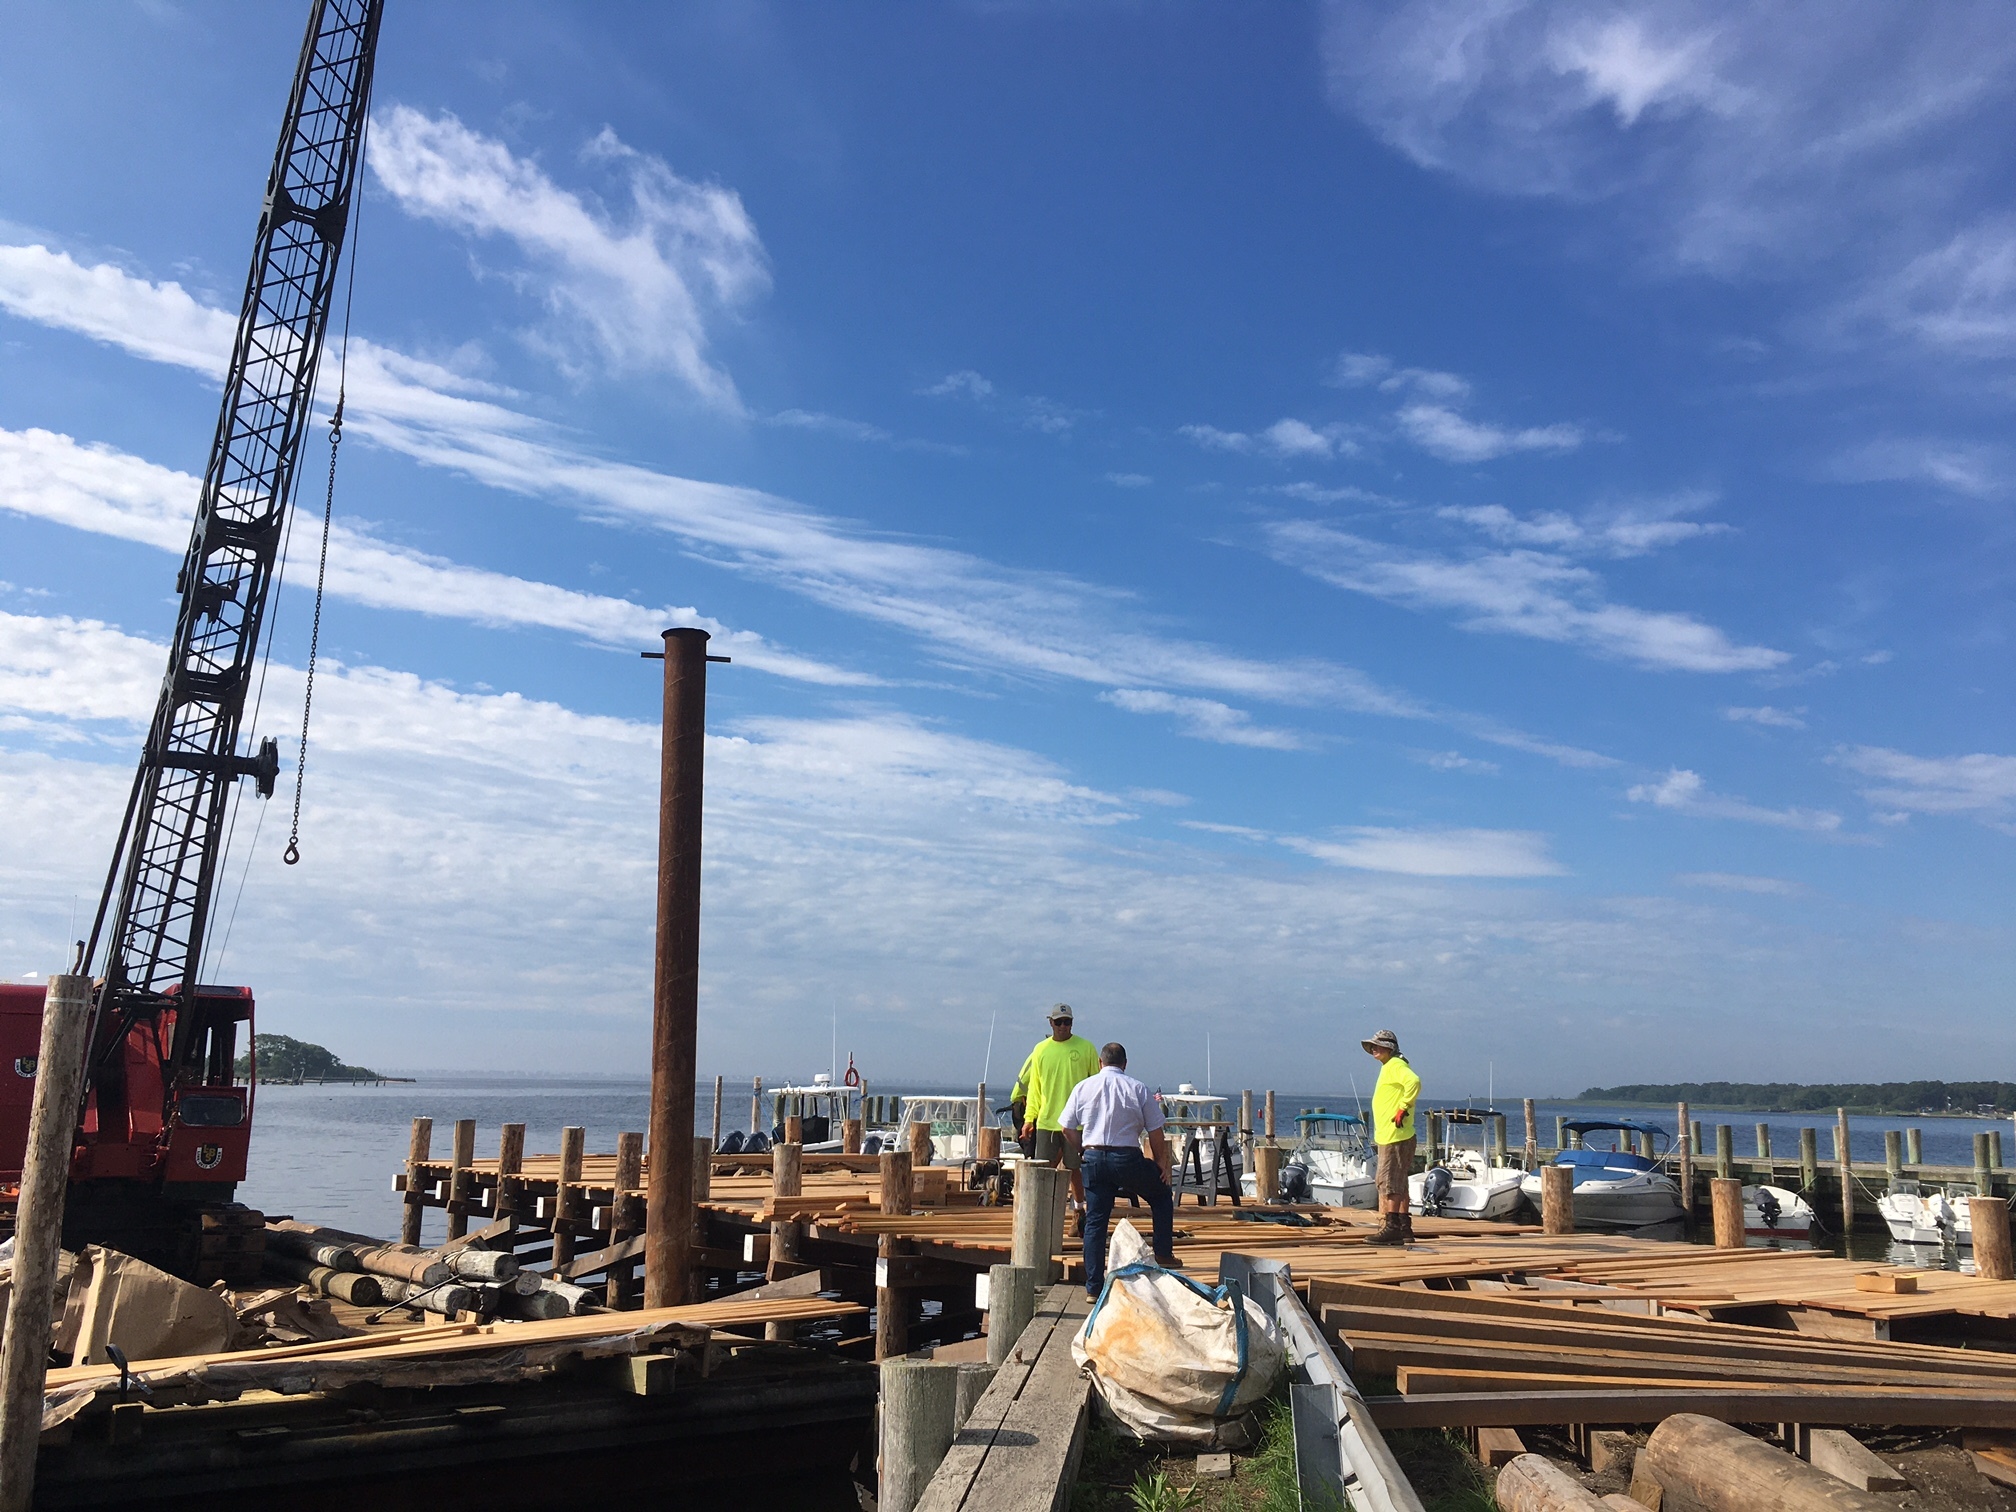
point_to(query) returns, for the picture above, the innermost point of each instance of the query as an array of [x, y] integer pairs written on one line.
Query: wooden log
[[505, 1197], [920, 1415], [850, 1136], [1914, 1147], [418, 1148], [1723, 1469], [573, 1143], [1725, 1151], [1557, 1199], [461, 1156], [1267, 1160], [359, 1288], [1843, 1456], [38, 1233], [1011, 1303], [312, 1250], [1686, 1148], [1616, 1402], [1726, 1193], [1992, 1258], [703, 1178], [1533, 1483]]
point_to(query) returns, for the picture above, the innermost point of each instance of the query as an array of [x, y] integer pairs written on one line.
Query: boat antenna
[[1207, 1060], [1356, 1098], [988, 1064], [833, 1064]]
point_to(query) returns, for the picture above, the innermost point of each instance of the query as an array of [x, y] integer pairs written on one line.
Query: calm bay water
[[329, 1153]]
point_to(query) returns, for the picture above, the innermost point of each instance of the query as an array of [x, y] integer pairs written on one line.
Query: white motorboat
[[1331, 1164], [1916, 1216], [1464, 1184], [954, 1121], [1615, 1188], [821, 1108], [1204, 1158], [1776, 1213]]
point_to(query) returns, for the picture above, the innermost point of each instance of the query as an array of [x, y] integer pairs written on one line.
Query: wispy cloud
[[1375, 370], [1454, 761], [1030, 411], [1290, 440], [1629, 530], [107, 492], [1776, 887], [1687, 793], [1765, 714], [1982, 786], [1206, 719], [821, 423], [1974, 469], [633, 291], [1440, 431], [1536, 594], [1434, 852], [1129, 479]]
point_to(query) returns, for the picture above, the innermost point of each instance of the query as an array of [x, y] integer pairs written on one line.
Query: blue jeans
[[1108, 1173]]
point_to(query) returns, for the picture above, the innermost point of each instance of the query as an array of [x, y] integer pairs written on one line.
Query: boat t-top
[[1461, 1182], [1330, 1163], [1618, 1187]]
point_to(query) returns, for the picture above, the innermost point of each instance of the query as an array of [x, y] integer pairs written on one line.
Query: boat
[[954, 1122], [1203, 1158], [1776, 1213], [1463, 1183], [822, 1109], [1938, 1216], [1615, 1188], [1331, 1164]]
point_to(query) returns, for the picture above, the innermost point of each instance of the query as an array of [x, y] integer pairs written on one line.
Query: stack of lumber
[[454, 1354], [451, 1280], [1517, 1356]]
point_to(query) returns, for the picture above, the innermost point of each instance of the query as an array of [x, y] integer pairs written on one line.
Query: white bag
[[1174, 1360]]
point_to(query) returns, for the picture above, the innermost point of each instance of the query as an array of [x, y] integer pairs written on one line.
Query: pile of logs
[[458, 1279]]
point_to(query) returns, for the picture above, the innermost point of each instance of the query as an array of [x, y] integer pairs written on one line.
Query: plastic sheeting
[[1175, 1361]]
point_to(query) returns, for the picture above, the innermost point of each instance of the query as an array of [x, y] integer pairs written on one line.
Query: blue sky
[[1263, 523]]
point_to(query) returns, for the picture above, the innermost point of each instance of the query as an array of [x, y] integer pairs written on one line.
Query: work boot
[[1390, 1231], [1406, 1228]]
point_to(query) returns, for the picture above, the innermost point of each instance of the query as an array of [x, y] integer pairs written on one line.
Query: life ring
[[853, 1077]]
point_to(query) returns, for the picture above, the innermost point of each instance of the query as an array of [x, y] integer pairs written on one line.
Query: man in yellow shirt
[[1393, 1098], [1054, 1067]]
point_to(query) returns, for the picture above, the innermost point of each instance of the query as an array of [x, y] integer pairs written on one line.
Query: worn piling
[[1725, 1151], [1532, 1155], [1914, 1147], [1809, 1160], [38, 1233], [1011, 1303], [461, 1156], [1845, 1153], [1686, 1148], [1726, 1196], [920, 1415], [1893, 1156], [1990, 1219], [1763, 1141], [1038, 1206], [1557, 1199], [1984, 1173], [419, 1148]]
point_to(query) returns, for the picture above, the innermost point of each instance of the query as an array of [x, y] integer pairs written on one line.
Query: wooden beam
[[1818, 1406]]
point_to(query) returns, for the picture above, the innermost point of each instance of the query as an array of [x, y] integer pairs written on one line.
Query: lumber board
[[1816, 1406]]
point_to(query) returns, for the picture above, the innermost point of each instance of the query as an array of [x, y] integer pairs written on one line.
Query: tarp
[[1174, 1360]]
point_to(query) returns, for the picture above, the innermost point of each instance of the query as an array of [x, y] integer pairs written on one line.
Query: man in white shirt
[[1105, 1117]]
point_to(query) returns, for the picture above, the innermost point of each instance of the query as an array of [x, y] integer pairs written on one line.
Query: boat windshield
[[946, 1115], [1620, 1127]]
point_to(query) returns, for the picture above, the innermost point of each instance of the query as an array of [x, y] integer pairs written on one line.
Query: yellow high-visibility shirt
[[1054, 1067], [1393, 1102]]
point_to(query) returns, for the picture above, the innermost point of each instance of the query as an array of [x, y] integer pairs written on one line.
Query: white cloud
[[1738, 882], [1519, 593], [1981, 785], [1970, 468], [1288, 439], [1687, 793], [1959, 297], [1626, 531], [1440, 431], [1129, 479], [632, 292], [1371, 370], [834, 425], [1206, 719], [1722, 135], [51, 477], [1454, 761], [1434, 852], [1765, 714], [1030, 411]]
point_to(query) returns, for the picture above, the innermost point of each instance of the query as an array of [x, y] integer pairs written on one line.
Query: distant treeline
[[1794, 1097], [283, 1058]]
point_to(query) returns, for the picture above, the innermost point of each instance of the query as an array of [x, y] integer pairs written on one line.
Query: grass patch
[[1445, 1474]]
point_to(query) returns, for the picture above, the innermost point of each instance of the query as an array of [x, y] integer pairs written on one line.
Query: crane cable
[[292, 855]]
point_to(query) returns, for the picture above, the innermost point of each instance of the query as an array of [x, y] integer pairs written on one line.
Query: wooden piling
[[1995, 1148], [38, 1233], [505, 1196], [1267, 1171], [794, 1129], [987, 1143], [1694, 1138], [714, 1140], [1270, 1116], [787, 1164], [756, 1105], [1560, 1131], [618, 1286], [1726, 1195], [573, 1143], [1532, 1136], [1809, 1160], [418, 1149], [461, 1156], [1763, 1141], [1893, 1156], [896, 1181], [1990, 1219], [675, 1001], [1686, 1147], [1984, 1175], [1725, 1151], [920, 1144], [1499, 1156], [1038, 1230], [920, 1415], [1844, 1148], [892, 1307], [1011, 1303], [1557, 1199], [1914, 1147], [850, 1136], [974, 1379]]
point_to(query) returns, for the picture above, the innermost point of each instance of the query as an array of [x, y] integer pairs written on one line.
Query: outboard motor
[[757, 1143], [1294, 1182], [872, 1145], [817, 1128], [1435, 1190], [732, 1145], [1768, 1207]]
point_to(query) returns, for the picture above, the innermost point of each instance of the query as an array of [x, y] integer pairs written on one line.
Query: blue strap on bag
[[1215, 1295]]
